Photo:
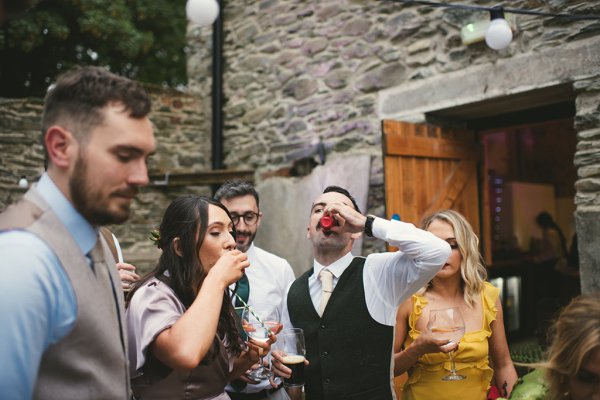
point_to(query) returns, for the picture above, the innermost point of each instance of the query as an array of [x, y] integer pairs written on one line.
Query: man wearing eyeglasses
[[268, 277]]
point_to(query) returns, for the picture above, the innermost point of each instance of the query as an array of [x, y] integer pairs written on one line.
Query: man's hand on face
[[347, 218]]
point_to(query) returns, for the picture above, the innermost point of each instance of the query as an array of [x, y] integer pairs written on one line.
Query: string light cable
[[438, 4], [497, 33]]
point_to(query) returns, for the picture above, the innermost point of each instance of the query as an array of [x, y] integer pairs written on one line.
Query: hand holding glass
[[290, 343], [448, 324], [259, 329]]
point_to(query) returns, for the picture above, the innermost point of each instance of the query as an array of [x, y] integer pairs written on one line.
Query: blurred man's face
[[245, 209]]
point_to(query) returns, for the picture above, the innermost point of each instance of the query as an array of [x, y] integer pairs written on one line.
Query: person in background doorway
[[347, 305], [460, 283], [61, 335], [264, 285], [550, 268], [553, 245]]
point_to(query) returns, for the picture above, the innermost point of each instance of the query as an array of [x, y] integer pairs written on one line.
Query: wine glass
[[448, 324], [259, 328]]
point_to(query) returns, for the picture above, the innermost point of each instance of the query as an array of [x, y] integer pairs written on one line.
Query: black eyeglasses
[[250, 218]]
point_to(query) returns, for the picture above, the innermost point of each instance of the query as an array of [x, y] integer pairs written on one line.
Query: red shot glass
[[327, 222]]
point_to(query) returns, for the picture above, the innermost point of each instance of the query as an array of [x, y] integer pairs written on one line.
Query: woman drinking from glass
[[182, 333]]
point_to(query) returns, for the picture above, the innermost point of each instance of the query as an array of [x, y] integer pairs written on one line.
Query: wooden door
[[429, 168]]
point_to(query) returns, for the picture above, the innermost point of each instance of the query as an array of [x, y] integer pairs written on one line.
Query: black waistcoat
[[350, 353]]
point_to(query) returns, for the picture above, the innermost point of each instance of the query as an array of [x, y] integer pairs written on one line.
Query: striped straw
[[246, 306]]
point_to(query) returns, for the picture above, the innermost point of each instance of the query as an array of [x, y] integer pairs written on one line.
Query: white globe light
[[498, 34], [202, 12], [23, 183]]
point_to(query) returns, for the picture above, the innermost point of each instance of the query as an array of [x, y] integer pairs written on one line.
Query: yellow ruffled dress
[[425, 377]]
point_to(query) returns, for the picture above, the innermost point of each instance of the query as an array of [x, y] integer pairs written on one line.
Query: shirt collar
[[84, 234], [251, 252], [337, 268]]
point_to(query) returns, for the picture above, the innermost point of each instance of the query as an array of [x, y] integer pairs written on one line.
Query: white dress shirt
[[269, 276], [389, 278]]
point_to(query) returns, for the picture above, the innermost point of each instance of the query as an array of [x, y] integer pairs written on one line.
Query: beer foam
[[293, 359]]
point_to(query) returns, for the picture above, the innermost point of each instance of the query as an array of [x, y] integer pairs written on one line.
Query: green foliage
[[528, 353], [141, 39]]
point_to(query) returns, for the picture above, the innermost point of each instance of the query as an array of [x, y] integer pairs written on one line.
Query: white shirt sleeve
[[390, 278]]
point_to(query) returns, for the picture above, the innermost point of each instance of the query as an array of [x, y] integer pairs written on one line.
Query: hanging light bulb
[[202, 12], [23, 183], [498, 34]]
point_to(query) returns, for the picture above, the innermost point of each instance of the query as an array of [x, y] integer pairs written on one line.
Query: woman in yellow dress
[[460, 283]]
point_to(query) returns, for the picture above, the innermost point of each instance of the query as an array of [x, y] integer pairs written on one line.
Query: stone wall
[[20, 146], [587, 160], [297, 71], [183, 144]]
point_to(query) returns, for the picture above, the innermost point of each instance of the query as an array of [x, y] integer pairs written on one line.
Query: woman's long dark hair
[[186, 218]]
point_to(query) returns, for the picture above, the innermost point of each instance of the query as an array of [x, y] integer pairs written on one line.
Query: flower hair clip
[[155, 237]]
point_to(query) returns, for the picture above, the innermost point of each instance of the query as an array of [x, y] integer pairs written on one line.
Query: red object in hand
[[493, 393], [327, 222]]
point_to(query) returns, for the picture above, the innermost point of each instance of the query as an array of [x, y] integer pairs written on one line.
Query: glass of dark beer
[[291, 344]]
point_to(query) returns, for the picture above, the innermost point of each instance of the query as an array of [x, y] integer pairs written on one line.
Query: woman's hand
[[230, 267], [250, 358], [258, 349], [426, 344]]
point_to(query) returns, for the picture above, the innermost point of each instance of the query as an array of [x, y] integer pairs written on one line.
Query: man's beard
[[244, 248], [89, 202]]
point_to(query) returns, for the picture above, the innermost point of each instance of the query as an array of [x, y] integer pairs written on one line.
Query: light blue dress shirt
[[37, 302]]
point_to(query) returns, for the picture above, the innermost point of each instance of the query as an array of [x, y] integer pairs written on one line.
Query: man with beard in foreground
[[61, 306], [264, 284]]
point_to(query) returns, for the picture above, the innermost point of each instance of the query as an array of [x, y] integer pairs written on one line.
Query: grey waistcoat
[[90, 362]]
